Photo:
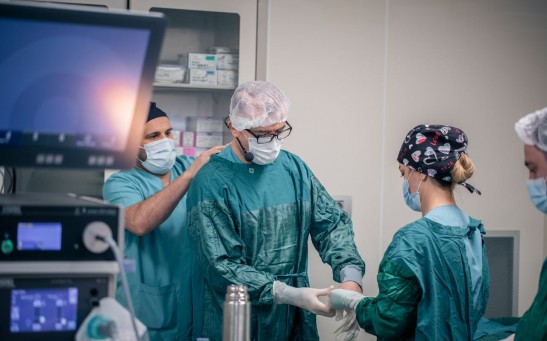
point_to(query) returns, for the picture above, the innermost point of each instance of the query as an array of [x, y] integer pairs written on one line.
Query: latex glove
[[349, 329], [345, 299], [305, 298]]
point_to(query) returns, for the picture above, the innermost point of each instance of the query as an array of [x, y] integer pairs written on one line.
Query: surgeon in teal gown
[[163, 285], [251, 211], [433, 279], [532, 131]]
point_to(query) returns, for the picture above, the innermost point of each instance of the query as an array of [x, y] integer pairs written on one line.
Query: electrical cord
[[117, 254]]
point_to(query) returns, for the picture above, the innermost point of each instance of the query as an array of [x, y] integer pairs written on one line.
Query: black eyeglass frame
[[269, 137]]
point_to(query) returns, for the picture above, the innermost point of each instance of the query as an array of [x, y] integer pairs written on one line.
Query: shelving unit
[[194, 26]]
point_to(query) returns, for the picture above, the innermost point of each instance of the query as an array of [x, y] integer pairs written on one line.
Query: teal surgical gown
[[427, 288], [251, 226], [533, 324], [162, 287]]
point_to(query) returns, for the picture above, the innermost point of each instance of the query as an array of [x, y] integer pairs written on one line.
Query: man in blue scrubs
[[156, 234]]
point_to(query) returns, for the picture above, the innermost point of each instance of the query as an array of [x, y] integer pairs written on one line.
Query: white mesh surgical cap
[[532, 129], [258, 104]]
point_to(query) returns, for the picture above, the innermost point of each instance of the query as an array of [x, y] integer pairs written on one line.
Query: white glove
[[349, 329], [305, 298], [345, 299]]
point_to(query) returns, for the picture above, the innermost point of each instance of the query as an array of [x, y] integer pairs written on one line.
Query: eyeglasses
[[262, 138]]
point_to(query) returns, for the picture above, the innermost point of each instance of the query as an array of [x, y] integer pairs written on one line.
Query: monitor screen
[[39, 236], [43, 310], [76, 84]]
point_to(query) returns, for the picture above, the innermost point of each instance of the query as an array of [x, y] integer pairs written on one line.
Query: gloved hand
[[349, 329], [305, 298], [345, 299]]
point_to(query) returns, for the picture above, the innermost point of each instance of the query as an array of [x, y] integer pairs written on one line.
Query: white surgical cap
[[532, 129], [258, 104]]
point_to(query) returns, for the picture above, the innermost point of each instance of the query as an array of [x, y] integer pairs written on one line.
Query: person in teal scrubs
[[433, 279], [532, 130], [251, 211], [156, 233]]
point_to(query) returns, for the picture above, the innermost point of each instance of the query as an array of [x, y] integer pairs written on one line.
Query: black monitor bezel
[[29, 156]]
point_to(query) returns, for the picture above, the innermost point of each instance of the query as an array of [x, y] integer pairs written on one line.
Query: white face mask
[[265, 153], [160, 156]]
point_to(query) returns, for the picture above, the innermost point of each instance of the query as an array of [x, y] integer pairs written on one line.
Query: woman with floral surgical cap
[[433, 279]]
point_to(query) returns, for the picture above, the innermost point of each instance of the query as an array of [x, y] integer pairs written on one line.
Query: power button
[[7, 246]]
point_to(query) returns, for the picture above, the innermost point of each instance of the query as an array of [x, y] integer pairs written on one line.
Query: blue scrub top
[[452, 215], [161, 286]]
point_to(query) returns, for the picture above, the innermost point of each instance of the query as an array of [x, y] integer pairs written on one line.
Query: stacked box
[[176, 136], [202, 77], [207, 140], [227, 61], [201, 139], [169, 74], [206, 124], [198, 60], [227, 77]]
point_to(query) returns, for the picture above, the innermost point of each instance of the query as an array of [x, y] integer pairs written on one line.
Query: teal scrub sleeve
[[122, 190], [392, 314], [222, 253], [332, 232]]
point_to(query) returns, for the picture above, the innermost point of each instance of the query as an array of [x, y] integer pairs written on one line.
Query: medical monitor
[[76, 84]]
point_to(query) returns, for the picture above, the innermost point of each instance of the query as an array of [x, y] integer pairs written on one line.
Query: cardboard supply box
[[227, 61], [202, 77], [198, 60], [205, 124], [176, 134], [208, 140], [188, 138], [227, 77], [169, 74]]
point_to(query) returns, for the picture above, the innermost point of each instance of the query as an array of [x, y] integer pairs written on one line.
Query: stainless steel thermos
[[237, 314]]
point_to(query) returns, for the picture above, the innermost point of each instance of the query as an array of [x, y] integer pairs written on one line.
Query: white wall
[[361, 73]]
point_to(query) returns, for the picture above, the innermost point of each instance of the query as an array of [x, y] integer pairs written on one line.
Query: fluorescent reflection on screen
[[81, 80], [39, 236]]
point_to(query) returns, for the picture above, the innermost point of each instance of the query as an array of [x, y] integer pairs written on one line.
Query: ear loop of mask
[[420, 184]]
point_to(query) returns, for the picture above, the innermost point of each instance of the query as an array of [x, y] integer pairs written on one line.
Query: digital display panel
[[76, 84], [39, 236], [43, 310], [69, 85]]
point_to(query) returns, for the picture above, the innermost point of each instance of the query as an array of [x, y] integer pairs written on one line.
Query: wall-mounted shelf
[[190, 87]]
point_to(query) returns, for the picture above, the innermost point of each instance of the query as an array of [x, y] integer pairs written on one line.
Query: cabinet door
[[99, 3]]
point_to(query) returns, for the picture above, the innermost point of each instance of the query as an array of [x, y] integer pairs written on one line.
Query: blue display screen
[[41, 310], [69, 85], [39, 236]]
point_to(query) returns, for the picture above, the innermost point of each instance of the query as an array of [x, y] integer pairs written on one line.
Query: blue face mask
[[537, 190], [412, 200]]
